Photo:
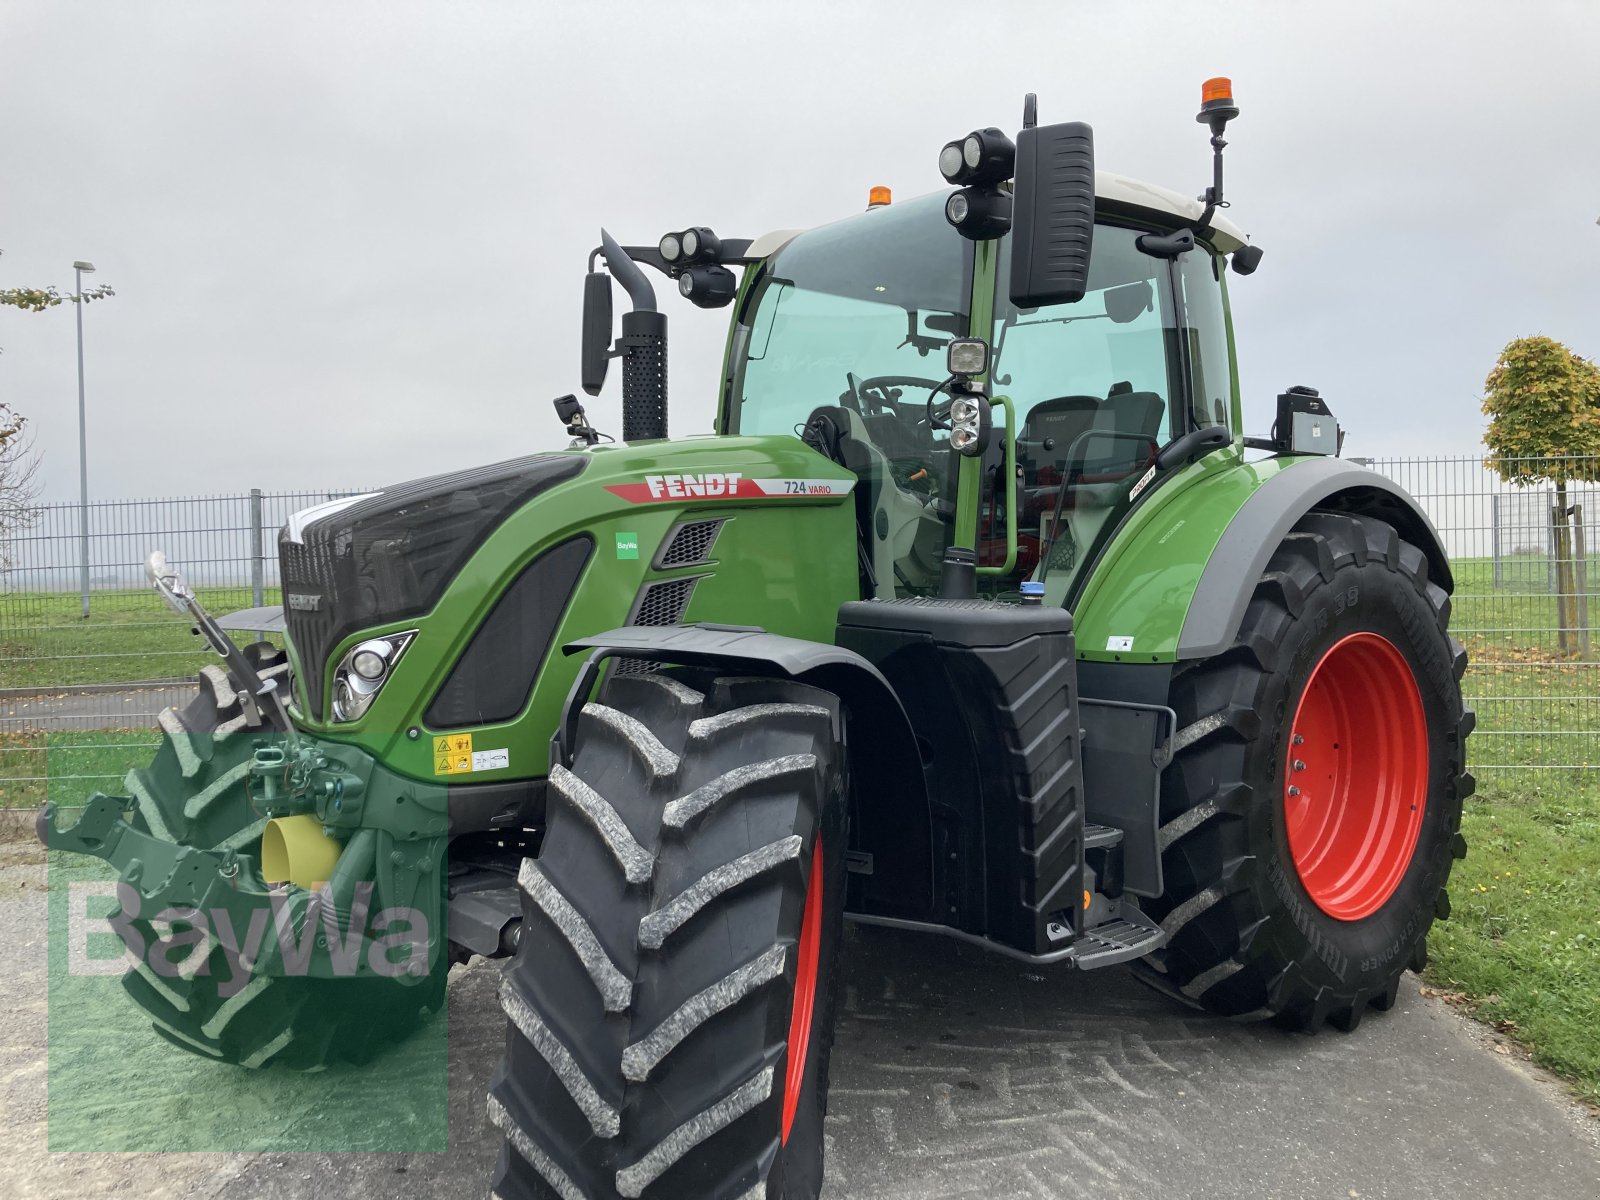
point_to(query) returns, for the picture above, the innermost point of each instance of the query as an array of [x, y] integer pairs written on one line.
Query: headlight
[[670, 247], [691, 243], [362, 673]]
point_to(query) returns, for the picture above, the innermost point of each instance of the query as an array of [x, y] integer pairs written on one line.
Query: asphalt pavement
[[960, 1074]]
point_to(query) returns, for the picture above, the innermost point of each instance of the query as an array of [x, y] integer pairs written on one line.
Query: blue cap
[[1033, 589]]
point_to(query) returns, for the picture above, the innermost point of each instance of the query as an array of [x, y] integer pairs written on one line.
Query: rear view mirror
[[596, 330], [1052, 214], [1128, 302]]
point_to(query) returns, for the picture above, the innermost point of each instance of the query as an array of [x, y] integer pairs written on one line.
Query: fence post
[[1580, 564], [257, 571], [1495, 548]]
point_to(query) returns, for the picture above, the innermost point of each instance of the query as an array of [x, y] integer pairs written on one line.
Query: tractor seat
[[1062, 421]]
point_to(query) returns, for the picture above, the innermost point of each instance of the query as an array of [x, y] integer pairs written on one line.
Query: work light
[[985, 157], [709, 287], [700, 244], [980, 214], [670, 247], [967, 356]]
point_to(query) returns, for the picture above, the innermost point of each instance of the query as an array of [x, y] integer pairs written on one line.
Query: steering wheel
[[882, 384]]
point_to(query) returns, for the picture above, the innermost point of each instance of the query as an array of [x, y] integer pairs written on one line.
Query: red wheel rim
[[805, 991], [1356, 777]]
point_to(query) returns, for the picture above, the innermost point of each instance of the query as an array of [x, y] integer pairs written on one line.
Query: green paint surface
[[783, 562]]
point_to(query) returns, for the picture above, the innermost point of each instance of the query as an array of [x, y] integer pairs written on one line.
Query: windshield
[[854, 314], [841, 342]]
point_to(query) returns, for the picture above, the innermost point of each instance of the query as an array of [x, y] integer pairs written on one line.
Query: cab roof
[[1119, 190]]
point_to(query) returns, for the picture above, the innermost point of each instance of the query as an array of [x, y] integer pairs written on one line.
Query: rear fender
[[1260, 525], [1175, 581], [891, 824]]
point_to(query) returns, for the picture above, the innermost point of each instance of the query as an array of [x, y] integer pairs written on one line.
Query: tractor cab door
[[840, 341], [1099, 386]]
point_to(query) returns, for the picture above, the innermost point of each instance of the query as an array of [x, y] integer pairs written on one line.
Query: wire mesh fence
[[87, 650], [89, 654], [1521, 534]]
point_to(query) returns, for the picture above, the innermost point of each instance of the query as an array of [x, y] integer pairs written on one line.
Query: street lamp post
[[83, 446]]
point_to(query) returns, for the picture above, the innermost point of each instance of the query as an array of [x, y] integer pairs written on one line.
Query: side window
[[1206, 335], [1068, 366]]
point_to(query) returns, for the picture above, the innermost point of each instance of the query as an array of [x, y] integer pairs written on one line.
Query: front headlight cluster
[[363, 672]]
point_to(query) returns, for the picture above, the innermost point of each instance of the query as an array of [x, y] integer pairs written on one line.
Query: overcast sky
[[348, 238]]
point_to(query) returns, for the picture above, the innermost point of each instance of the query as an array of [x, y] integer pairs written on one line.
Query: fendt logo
[[712, 483], [725, 485], [304, 601]]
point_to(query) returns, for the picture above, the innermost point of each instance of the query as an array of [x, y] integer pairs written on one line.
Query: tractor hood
[[389, 555]]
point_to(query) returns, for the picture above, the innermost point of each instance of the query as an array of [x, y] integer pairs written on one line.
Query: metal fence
[[1520, 550], [1522, 539]]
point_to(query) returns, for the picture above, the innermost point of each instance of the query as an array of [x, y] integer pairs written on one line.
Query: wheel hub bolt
[[1299, 765], [1299, 740], [1294, 791]]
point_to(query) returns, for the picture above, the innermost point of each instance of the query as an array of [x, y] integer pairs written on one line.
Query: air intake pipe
[[643, 347]]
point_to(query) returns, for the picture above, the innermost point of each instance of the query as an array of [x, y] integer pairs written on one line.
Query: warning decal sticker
[[453, 755]]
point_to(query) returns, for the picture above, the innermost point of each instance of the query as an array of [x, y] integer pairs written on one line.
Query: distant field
[[45, 642]]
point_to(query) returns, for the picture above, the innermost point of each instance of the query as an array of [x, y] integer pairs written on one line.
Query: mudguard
[[887, 770], [1175, 580]]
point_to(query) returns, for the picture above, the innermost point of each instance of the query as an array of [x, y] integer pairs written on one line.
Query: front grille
[[689, 543], [390, 557]]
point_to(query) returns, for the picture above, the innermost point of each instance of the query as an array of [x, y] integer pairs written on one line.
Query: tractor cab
[[839, 338]]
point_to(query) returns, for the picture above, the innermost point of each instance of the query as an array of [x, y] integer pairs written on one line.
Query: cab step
[[1126, 936], [1101, 837]]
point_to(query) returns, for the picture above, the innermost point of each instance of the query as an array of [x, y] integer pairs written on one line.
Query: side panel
[[784, 561], [1175, 580]]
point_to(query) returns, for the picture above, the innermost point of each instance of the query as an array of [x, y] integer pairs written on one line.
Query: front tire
[[671, 1000], [1312, 812]]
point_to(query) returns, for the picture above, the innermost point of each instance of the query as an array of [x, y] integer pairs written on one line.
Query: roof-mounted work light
[[709, 286], [696, 244], [979, 213], [983, 157]]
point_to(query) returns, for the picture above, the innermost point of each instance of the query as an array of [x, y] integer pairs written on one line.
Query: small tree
[[1543, 405], [19, 485]]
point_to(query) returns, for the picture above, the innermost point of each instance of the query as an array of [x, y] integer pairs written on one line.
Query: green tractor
[[976, 616]]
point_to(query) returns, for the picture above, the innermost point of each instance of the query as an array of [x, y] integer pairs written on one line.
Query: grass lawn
[[1522, 945], [68, 767], [45, 641]]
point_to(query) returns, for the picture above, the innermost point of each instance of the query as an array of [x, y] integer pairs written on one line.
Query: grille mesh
[[690, 543], [662, 603]]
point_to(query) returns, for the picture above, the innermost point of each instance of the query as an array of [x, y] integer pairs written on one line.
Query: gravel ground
[[959, 1074]]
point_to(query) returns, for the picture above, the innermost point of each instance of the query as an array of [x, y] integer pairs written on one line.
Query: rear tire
[[671, 1001], [194, 793], [1265, 920]]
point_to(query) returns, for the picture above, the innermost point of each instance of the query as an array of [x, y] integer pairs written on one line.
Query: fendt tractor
[[978, 616]]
